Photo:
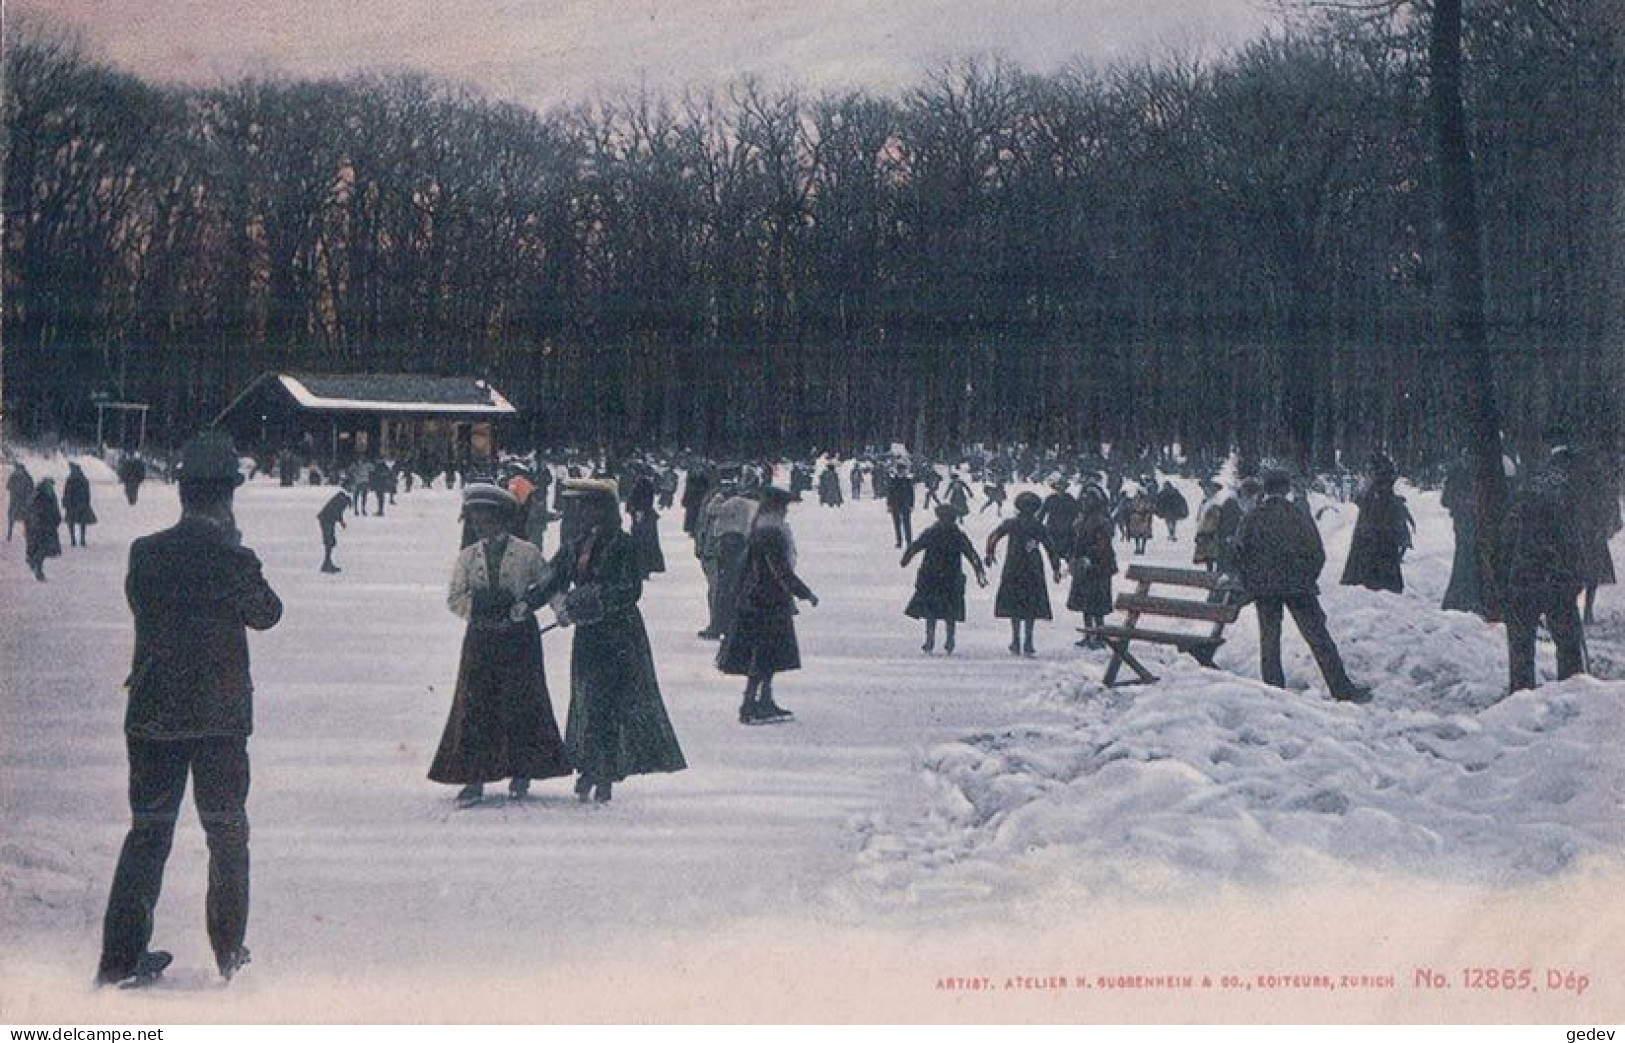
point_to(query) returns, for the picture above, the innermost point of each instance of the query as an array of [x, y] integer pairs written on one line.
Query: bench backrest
[[1142, 602]]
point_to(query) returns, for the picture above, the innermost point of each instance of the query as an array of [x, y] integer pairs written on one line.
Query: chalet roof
[[387, 393]]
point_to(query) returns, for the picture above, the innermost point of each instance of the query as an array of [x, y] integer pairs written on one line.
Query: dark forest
[[1232, 252]]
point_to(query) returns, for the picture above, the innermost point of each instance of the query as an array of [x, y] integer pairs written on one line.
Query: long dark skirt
[[759, 643], [1090, 594], [938, 597], [1023, 591], [501, 723], [646, 544], [618, 724]]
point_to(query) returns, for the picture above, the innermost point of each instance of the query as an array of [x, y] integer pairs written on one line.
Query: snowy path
[[913, 794]]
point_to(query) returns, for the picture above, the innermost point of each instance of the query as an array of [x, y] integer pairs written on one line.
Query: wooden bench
[[1199, 645]]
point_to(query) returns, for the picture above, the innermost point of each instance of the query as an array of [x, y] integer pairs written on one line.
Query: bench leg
[[1120, 656]]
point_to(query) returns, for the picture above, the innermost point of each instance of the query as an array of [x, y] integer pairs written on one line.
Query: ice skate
[[234, 962], [149, 967]]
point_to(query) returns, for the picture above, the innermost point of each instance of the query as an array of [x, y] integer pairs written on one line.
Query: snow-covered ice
[[919, 805]]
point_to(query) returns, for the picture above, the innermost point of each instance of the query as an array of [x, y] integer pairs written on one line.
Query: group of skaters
[[195, 589], [36, 507]]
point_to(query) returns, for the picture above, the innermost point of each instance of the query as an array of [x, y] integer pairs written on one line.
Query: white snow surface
[[912, 790]]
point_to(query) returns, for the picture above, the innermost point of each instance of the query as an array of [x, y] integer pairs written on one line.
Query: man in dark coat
[[381, 481], [195, 591], [900, 505], [19, 494], [1279, 555], [76, 505], [331, 519], [1541, 574], [132, 471]]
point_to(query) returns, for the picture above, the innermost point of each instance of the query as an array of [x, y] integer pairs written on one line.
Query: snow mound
[[1211, 778]]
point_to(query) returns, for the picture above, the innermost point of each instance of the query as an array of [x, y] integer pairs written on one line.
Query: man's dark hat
[[947, 513], [210, 457]]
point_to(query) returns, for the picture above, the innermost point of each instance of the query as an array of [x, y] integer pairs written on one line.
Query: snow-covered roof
[[394, 393]]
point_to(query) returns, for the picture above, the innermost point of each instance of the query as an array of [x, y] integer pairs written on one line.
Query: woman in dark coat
[[1172, 508], [501, 724], [618, 725], [829, 487], [39, 528], [19, 497], [762, 641], [76, 505], [1382, 534], [1093, 562], [1023, 594], [640, 508], [939, 588]]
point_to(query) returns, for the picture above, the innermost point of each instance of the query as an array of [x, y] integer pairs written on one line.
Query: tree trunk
[[1461, 252]]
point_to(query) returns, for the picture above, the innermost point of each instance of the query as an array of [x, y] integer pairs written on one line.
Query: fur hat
[[946, 512], [592, 487]]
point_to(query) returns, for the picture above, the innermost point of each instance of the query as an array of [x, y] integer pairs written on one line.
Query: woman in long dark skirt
[[618, 725], [640, 508], [939, 588], [1023, 595], [501, 724], [1093, 562], [762, 641], [1382, 534]]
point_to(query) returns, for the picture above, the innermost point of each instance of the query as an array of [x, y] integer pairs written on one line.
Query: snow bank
[[1210, 776]]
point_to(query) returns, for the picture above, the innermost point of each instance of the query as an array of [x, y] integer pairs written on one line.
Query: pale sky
[[543, 51]]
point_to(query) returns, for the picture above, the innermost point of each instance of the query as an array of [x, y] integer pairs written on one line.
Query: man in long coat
[[195, 591]]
